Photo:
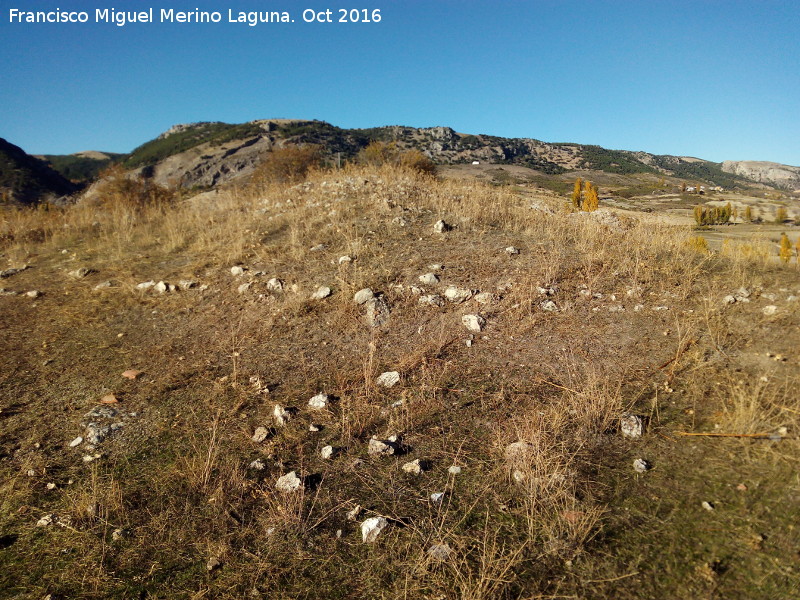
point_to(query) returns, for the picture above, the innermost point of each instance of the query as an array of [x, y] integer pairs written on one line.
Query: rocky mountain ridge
[[771, 173]]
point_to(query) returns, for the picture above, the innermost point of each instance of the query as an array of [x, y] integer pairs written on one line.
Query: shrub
[[387, 153], [287, 164], [785, 251]]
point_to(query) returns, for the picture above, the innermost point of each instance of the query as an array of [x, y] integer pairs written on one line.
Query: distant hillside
[[207, 154], [26, 179], [782, 176], [82, 167]]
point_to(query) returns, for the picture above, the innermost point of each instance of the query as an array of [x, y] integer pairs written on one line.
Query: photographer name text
[[122, 18]]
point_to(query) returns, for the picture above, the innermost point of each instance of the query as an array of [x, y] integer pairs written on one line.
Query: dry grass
[[535, 522]]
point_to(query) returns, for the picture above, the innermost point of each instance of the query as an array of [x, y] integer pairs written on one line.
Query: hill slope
[[26, 179]]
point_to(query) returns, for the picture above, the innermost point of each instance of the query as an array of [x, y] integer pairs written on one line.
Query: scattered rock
[[257, 465], [275, 285], [33, 294], [372, 528], [47, 520], [237, 271], [769, 310], [512, 250], [400, 221], [131, 374], [96, 434], [51, 486], [10, 272], [80, 273], [485, 298], [388, 379], [76, 442], [709, 506], [109, 399], [326, 452], [640, 465], [517, 450], [363, 296], [457, 295], [353, 514], [117, 535], [213, 564], [319, 401], [343, 260], [431, 300], [381, 448], [413, 467], [288, 483], [322, 292], [436, 267], [377, 312], [429, 279], [186, 284], [454, 470], [102, 286], [436, 497], [161, 287], [281, 415], [549, 306], [439, 552], [631, 426], [474, 323], [318, 248], [314, 427], [441, 227], [260, 434], [243, 288], [145, 285]]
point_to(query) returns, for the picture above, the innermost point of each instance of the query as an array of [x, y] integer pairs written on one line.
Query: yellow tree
[[786, 248], [576, 193], [591, 199]]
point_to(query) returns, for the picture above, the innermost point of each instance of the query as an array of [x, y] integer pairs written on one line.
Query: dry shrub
[[388, 153], [287, 164]]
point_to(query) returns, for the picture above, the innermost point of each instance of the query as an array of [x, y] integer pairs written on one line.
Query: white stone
[[729, 300], [439, 552], [431, 300], [275, 285], [770, 310], [319, 401], [458, 295], [377, 312], [437, 497], [436, 267], [353, 514], [441, 227], [454, 470], [281, 415], [46, 521], [640, 465], [326, 452], [363, 296], [388, 379], [512, 250], [413, 467], [145, 285], [51, 486], [428, 279], [117, 534], [161, 287], [548, 306], [474, 323], [343, 260], [102, 286], [484, 298], [243, 288], [237, 271], [288, 483], [186, 284], [372, 528], [260, 434], [707, 505], [378, 448], [322, 292], [258, 465], [33, 294], [76, 442], [631, 426]]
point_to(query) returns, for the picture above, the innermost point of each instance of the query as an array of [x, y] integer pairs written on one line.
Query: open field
[[171, 492]]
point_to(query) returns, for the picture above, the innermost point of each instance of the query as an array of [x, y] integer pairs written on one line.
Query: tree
[[785, 251], [591, 198], [576, 194], [748, 215], [781, 214], [699, 214]]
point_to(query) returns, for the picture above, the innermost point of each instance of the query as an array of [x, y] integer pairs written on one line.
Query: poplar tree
[[576, 194], [786, 248]]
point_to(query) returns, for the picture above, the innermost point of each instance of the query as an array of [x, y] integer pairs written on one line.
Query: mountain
[[26, 179], [208, 154], [782, 176], [82, 167]]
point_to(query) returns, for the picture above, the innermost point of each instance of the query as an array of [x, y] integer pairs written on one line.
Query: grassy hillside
[[509, 475], [81, 169], [162, 147]]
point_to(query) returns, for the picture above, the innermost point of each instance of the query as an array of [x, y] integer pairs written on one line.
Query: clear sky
[[714, 79]]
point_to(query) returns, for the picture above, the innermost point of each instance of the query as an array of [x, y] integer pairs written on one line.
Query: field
[[526, 485]]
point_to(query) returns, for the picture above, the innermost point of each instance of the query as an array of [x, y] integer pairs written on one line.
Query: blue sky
[[717, 80]]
